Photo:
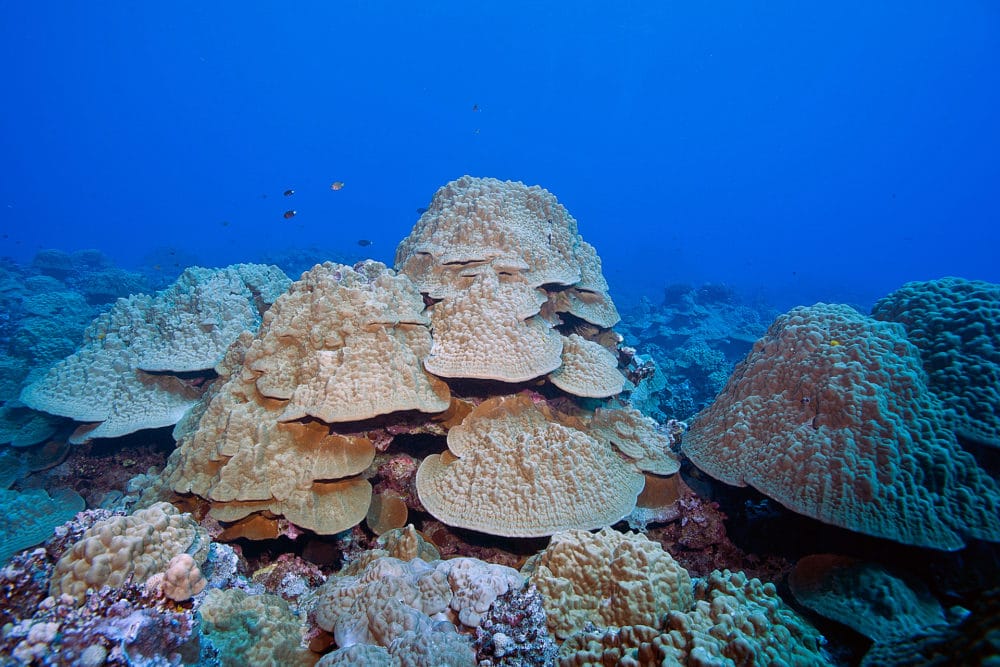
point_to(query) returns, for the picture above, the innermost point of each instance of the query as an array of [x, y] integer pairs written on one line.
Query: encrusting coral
[[865, 596], [831, 415], [607, 578]]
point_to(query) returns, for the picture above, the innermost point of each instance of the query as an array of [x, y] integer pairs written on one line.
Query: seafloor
[[472, 458]]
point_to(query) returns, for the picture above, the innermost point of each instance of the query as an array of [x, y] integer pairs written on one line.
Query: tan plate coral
[[513, 469]]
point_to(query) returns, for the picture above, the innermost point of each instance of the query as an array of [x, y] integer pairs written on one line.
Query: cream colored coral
[[186, 327], [490, 331], [358, 655], [471, 221], [513, 470], [389, 597], [640, 438], [607, 578], [587, 369], [127, 547], [189, 326], [741, 620], [733, 621], [490, 254], [183, 579], [404, 543], [343, 344], [347, 345], [588, 299], [476, 586]]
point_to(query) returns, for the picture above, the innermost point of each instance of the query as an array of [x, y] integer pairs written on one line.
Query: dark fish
[[289, 193], [289, 215], [225, 223], [421, 210], [364, 243], [475, 107]]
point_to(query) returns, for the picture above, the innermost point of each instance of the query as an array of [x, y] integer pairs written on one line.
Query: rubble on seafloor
[[405, 466]]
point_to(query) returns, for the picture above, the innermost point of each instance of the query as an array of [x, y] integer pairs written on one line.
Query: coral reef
[[478, 392], [350, 358]]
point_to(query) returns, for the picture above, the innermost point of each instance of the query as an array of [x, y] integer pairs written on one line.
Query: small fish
[[288, 215], [288, 193], [225, 223], [337, 185], [475, 107], [421, 210], [364, 243], [157, 267]]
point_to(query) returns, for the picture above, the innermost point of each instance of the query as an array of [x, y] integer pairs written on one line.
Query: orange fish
[[289, 215], [337, 185]]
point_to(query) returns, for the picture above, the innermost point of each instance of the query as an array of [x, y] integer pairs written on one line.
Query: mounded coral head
[[955, 323], [490, 254], [123, 548], [830, 415], [608, 578]]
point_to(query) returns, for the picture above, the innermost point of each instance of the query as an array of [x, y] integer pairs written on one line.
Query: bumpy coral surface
[[956, 325], [490, 254], [512, 469], [252, 629], [30, 517], [125, 376], [734, 621], [607, 578], [831, 416], [343, 345], [124, 548], [865, 596]]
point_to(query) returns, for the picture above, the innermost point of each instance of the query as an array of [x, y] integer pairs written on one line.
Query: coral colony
[[458, 460]]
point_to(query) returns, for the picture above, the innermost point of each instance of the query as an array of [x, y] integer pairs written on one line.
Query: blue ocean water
[[803, 151]]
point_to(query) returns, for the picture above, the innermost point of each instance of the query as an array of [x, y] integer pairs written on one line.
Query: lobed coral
[[126, 375], [513, 469], [955, 323], [607, 578], [830, 415], [127, 548]]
